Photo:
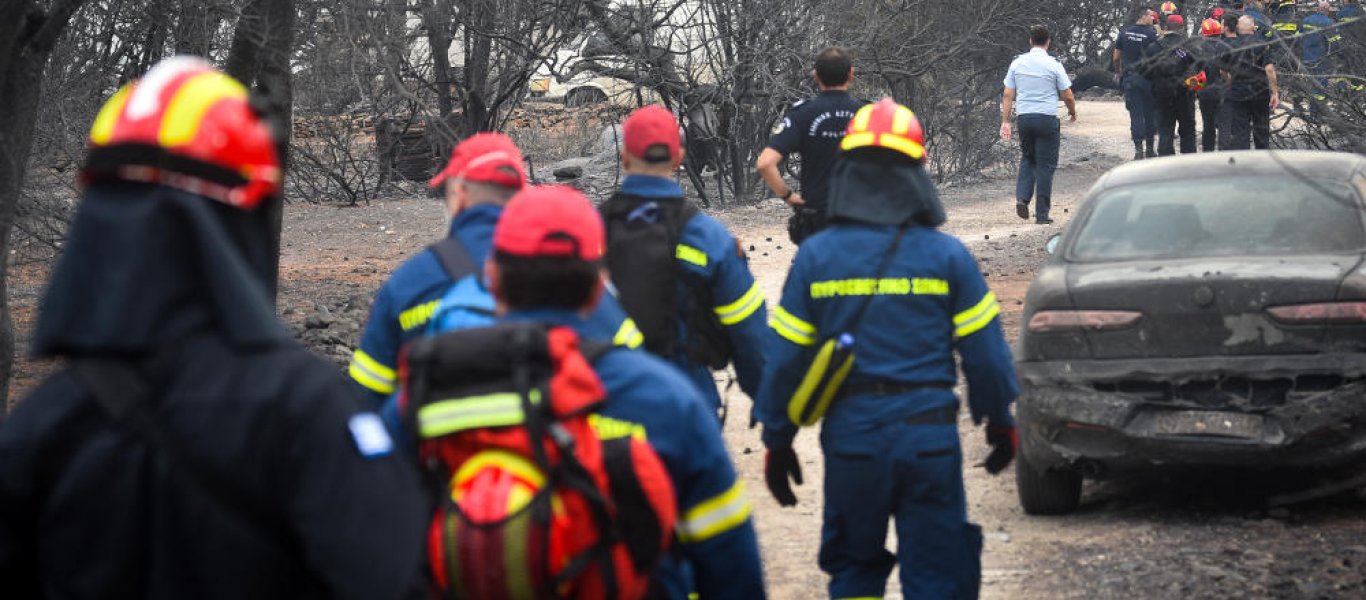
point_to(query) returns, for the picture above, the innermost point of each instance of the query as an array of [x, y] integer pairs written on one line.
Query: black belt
[[944, 415], [889, 388]]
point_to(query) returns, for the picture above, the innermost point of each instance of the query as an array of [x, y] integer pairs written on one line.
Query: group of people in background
[[1229, 61], [191, 448]]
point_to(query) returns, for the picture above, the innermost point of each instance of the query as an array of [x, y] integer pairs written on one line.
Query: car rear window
[[1221, 217]]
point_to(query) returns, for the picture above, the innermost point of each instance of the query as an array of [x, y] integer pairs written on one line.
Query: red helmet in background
[[1168, 8], [1211, 28], [886, 124], [189, 126]]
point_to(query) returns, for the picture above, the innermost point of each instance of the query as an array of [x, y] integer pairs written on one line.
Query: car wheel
[[1046, 491], [585, 97]]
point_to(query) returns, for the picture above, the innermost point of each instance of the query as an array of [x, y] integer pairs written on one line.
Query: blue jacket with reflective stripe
[[715, 528], [1314, 44], [931, 301], [412, 296], [709, 252]]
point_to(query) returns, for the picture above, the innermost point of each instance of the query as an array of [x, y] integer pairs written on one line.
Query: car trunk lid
[[1206, 306]]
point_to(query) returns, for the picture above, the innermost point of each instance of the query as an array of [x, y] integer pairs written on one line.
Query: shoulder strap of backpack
[[454, 258], [592, 350], [881, 272], [122, 391]]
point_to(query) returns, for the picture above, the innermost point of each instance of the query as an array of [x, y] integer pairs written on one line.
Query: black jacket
[[1168, 62], [91, 509], [87, 510]]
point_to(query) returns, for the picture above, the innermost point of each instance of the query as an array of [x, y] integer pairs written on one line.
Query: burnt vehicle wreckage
[[1199, 312]]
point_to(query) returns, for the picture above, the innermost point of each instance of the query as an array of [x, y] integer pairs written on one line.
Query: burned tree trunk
[[27, 36]]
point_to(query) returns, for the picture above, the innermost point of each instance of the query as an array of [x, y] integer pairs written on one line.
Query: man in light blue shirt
[[1033, 85]]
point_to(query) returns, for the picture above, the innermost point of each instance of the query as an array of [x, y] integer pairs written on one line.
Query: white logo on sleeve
[[372, 439]]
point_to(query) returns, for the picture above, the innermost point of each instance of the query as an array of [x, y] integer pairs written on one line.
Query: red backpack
[[532, 502]]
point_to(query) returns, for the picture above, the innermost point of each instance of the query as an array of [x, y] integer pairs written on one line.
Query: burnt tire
[[1046, 491]]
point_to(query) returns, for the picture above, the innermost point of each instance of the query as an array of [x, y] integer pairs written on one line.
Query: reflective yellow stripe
[[906, 146], [969, 321], [857, 140], [608, 428], [186, 109], [371, 373], [741, 309], [862, 118], [901, 121], [518, 465], [860, 287], [925, 286], [628, 335], [369, 381], [461, 414], [103, 129], [715, 516], [789, 326], [418, 316], [690, 254]]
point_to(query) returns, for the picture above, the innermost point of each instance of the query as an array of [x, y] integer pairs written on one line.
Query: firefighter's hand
[[1005, 131], [1003, 441], [779, 465]]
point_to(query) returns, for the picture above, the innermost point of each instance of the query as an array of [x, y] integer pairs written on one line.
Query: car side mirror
[[1051, 246]]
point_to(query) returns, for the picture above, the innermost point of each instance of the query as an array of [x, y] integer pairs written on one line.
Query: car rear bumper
[[1065, 421]]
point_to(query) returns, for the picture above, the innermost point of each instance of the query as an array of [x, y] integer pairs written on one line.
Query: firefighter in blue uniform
[[545, 268], [485, 170], [718, 313], [812, 128], [1315, 48], [1130, 47], [890, 438]]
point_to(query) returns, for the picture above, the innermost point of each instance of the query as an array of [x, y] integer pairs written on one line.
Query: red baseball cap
[[649, 126], [550, 221], [485, 158]]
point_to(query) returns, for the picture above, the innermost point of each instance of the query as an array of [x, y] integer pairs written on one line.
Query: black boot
[[1138, 149], [1148, 152]]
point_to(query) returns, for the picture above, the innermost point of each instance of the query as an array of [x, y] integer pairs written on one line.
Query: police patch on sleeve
[[372, 439], [782, 125]]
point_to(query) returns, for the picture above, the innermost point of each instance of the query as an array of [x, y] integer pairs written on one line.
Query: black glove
[[1003, 441], [779, 465]]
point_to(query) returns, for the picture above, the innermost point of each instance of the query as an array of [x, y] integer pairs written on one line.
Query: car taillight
[[1323, 312], [1062, 320]]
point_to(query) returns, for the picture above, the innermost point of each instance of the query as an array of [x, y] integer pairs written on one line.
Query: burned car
[[1201, 311]]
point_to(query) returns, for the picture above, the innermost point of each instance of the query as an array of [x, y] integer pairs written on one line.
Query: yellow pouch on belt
[[822, 381]]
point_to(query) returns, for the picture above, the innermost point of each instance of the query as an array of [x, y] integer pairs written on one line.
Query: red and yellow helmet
[[1211, 28], [886, 124], [189, 126], [1168, 8]]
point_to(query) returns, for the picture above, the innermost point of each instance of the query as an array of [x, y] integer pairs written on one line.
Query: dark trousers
[[1040, 136], [911, 475], [1175, 111], [1250, 116], [1138, 100], [1213, 118]]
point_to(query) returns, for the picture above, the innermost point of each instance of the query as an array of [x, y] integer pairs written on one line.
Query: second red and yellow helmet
[[886, 124]]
